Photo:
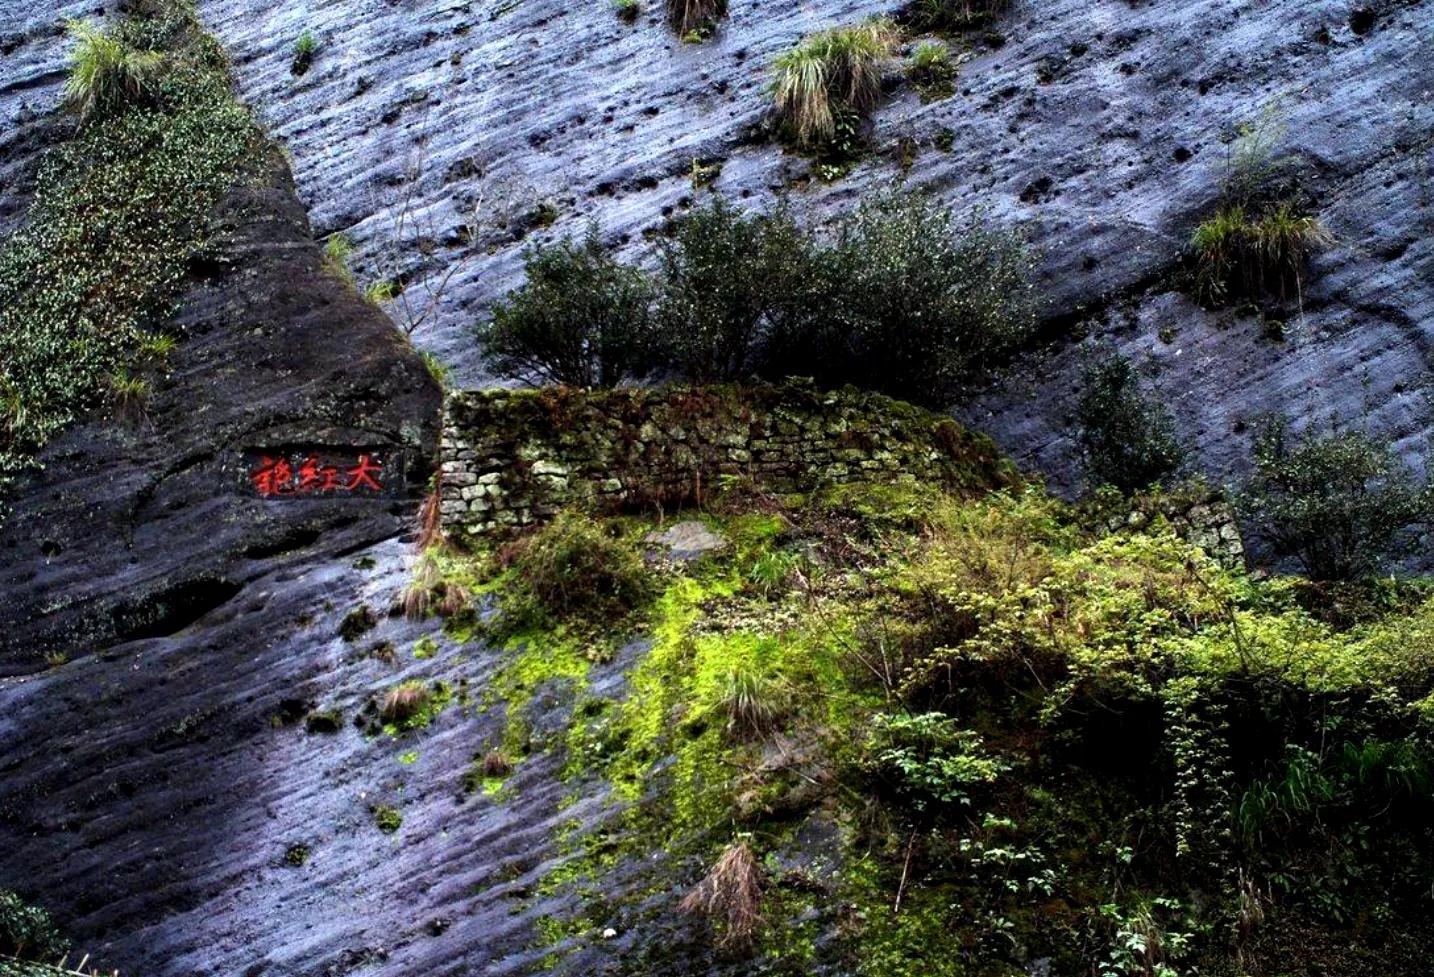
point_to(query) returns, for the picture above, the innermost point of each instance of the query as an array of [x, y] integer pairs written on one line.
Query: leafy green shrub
[[581, 318], [306, 47], [922, 301], [1338, 503], [695, 16], [1241, 254], [829, 72], [731, 282], [951, 15], [28, 932], [573, 568], [1127, 440], [107, 71], [930, 759]]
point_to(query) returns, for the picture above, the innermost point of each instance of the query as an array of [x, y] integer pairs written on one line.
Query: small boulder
[[684, 542]]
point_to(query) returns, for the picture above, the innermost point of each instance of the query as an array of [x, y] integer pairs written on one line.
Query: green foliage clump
[[306, 48], [930, 760], [1128, 441], [573, 569], [830, 74], [930, 68], [1259, 240], [582, 318], [27, 932], [387, 818], [951, 15], [906, 299], [1254, 255], [627, 10], [1339, 503], [119, 211]]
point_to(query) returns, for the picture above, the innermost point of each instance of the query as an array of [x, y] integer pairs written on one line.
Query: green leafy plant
[[27, 932], [1339, 502], [627, 10], [387, 818], [1128, 441], [931, 69], [830, 71], [306, 48], [1240, 254], [581, 318], [931, 760], [107, 71]]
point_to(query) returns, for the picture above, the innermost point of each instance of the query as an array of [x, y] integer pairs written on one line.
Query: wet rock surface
[[1101, 129]]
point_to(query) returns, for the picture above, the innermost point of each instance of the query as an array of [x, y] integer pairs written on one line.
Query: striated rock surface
[[1099, 128]]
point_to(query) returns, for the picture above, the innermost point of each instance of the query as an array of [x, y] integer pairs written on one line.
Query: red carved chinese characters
[[281, 478]]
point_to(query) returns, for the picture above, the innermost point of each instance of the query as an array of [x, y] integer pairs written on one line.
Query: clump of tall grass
[[107, 73], [1238, 252], [689, 16], [829, 71]]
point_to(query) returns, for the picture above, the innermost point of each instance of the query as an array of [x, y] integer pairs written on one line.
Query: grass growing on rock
[[120, 209]]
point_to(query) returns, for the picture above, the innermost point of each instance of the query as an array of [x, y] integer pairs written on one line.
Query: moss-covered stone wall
[[513, 458]]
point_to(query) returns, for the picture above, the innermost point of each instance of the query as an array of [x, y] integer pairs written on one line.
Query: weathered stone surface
[[685, 541]]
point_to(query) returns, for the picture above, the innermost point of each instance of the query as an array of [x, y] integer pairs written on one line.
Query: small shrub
[[1127, 440], [405, 703], [581, 318], [357, 622], [1338, 503], [306, 47], [730, 283], [951, 15], [830, 71], [106, 72], [730, 895], [695, 16], [129, 396], [338, 250], [28, 932], [573, 569], [627, 10], [297, 855]]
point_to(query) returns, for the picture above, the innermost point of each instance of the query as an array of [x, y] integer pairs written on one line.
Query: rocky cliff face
[[158, 787], [1098, 128]]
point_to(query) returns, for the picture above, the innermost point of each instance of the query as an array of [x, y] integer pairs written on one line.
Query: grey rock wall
[[1097, 127]]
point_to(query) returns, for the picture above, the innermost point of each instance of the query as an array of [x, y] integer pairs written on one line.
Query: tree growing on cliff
[[1341, 503], [1127, 440], [582, 318]]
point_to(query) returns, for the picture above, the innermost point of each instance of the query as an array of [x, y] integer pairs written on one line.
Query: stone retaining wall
[[512, 458]]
